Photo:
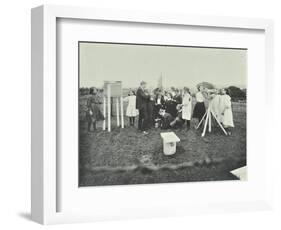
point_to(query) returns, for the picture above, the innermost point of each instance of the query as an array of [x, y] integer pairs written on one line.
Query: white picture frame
[[45, 181]]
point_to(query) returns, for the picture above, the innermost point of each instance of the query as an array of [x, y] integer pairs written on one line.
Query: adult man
[[142, 105]]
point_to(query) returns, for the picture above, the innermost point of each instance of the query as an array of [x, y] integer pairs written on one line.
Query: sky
[[179, 66]]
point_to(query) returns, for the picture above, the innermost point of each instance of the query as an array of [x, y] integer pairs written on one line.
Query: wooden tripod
[[208, 121]]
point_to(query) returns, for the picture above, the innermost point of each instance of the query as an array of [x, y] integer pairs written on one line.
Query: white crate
[[170, 140]]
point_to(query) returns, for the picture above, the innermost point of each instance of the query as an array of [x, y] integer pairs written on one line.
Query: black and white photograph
[[153, 113]]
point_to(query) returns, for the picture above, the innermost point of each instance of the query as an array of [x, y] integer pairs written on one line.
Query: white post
[[108, 108], [206, 122], [219, 124], [104, 113], [201, 121], [122, 112], [210, 122], [117, 112]]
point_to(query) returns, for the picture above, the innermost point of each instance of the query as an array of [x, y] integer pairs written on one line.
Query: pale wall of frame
[[44, 91]]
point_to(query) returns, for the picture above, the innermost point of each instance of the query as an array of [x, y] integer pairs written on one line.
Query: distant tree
[[237, 93], [206, 85], [84, 91]]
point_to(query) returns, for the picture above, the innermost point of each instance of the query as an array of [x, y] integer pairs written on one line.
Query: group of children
[[171, 109]]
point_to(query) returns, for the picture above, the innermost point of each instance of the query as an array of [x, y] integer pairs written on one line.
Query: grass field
[[126, 156]]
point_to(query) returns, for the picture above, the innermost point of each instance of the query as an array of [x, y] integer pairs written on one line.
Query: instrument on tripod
[[207, 118]]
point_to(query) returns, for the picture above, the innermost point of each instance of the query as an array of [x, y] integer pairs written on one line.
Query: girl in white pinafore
[[131, 111], [216, 106], [186, 106], [227, 116]]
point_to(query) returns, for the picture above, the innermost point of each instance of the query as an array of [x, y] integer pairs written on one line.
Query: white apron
[[187, 107], [216, 107], [227, 117], [131, 108]]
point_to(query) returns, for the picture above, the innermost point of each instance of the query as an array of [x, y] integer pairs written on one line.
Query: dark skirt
[[199, 110], [171, 108], [94, 114], [166, 120]]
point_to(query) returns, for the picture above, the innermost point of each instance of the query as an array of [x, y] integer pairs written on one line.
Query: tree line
[[236, 93]]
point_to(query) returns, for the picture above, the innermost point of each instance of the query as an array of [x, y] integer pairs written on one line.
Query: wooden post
[[210, 122], [109, 108], [206, 122], [117, 111], [219, 124], [122, 112], [104, 113], [201, 121]]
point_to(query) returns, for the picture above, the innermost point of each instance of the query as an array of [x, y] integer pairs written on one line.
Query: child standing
[[171, 105], [227, 116], [93, 113], [159, 104], [216, 105], [186, 106], [131, 111], [199, 109]]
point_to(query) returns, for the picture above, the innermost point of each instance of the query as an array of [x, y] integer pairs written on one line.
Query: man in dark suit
[[142, 105]]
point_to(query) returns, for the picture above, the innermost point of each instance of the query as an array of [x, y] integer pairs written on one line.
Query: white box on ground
[[170, 140]]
